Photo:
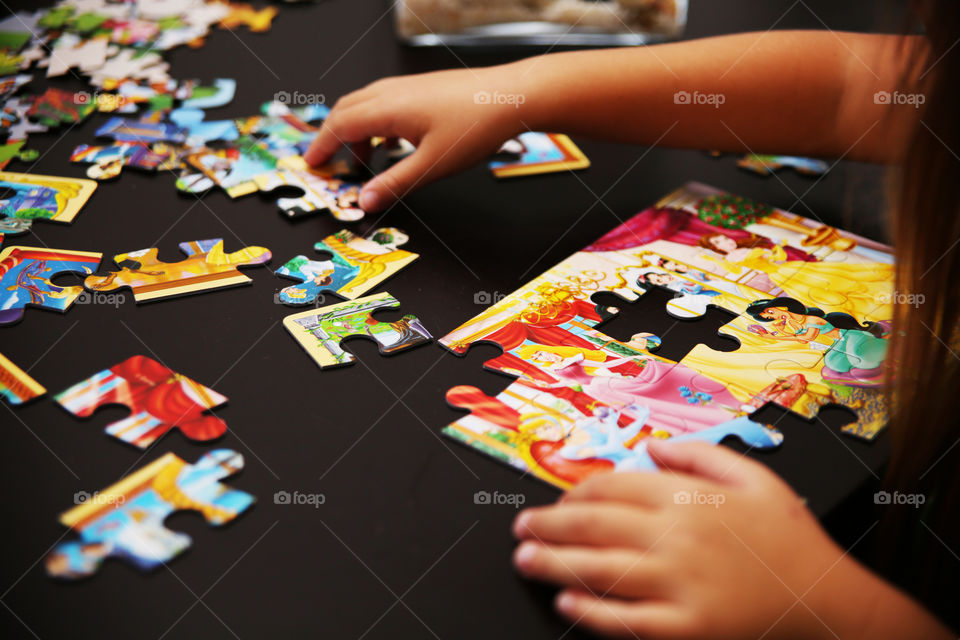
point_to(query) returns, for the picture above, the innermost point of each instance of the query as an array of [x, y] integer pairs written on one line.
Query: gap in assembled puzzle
[[811, 304]]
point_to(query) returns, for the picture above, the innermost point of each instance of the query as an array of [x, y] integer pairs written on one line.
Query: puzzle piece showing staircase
[[206, 267], [357, 265], [26, 275], [319, 331], [16, 385], [126, 520], [159, 399]]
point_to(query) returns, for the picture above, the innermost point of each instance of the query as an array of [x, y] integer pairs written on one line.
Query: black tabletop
[[398, 548]]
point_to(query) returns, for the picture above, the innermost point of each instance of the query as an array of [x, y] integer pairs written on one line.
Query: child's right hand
[[443, 113]]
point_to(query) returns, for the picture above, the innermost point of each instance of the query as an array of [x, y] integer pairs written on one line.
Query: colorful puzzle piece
[[108, 161], [538, 153], [319, 331], [55, 107], [811, 307], [356, 266], [26, 275], [768, 164], [159, 399], [207, 267], [35, 197], [126, 519], [16, 386], [321, 192]]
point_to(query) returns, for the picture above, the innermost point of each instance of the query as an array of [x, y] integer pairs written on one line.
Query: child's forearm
[[798, 92], [851, 602]]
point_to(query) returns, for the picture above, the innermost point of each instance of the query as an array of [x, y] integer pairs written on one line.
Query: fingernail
[[524, 555], [520, 524], [566, 601], [369, 199]]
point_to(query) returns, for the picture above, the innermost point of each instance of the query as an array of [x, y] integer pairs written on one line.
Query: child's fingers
[[386, 188], [346, 125], [642, 488], [584, 523], [599, 571], [717, 463], [621, 619]]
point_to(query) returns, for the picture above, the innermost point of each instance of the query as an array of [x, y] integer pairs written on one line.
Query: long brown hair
[[919, 546]]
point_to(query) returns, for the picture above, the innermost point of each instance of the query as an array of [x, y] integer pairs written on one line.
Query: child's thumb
[[386, 188]]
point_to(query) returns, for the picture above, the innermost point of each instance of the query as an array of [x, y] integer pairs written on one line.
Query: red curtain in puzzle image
[[158, 398]]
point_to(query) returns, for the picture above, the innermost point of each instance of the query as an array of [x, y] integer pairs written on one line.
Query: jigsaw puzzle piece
[[766, 165], [319, 331], [141, 130], [16, 386], [206, 267], [322, 192], [35, 197], [70, 50], [159, 399], [235, 169], [108, 161], [537, 153], [356, 266], [198, 131], [257, 20], [131, 64], [126, 520], [55, 107], [26, 275]]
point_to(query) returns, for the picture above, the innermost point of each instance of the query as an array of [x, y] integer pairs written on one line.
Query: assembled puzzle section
[[126, 520], [356, 265], [16, 385], [812, 307], [319, 331], [207, 267], [159, 399], [26, 275]]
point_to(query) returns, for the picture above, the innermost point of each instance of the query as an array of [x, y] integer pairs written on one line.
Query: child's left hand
[[713, 546]]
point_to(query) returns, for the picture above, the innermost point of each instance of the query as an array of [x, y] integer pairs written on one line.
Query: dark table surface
[[399, 548]]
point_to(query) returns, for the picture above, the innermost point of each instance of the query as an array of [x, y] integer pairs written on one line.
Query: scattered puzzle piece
[[159, 399], [26, 275], [35, 197], [768, 164], [319, 331], [107, 162], [16, 386], [70, 51], [257, 20], [126, 519], [538, 153], [207, 267], [356, 266], [55, 107]]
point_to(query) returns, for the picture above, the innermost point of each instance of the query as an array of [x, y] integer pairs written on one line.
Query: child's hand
[[450, 116], [713, 546]]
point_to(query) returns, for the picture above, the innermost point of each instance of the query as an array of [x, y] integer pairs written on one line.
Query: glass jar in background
[[538, 22]]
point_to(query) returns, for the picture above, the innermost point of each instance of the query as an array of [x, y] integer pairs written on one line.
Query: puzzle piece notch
[[356, 265], [159, 399], [126, 520], [206, 267], [26, 275], [320, 331]]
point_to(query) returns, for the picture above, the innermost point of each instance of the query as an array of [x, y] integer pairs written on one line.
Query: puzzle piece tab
[[357, 265], [26, 275], [159, 399], [207, 267], [126, 519], [16, 386], [319, 331]]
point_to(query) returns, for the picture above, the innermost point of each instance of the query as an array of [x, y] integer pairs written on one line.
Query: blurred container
[[538, 22]]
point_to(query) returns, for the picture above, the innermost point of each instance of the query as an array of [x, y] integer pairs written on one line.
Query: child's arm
[[799, 92], [713, 546]]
